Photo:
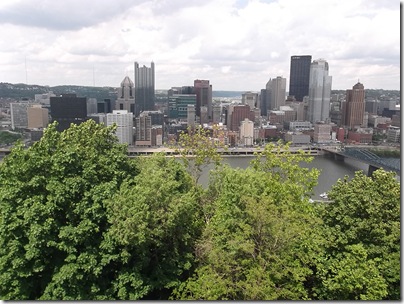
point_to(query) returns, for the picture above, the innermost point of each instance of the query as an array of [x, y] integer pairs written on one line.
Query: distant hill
[[19, 91]]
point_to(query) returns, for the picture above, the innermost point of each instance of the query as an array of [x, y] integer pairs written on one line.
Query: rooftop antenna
[[26, 72], [93, 77]]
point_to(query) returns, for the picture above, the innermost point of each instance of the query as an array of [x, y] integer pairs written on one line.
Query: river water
[[330, 170]]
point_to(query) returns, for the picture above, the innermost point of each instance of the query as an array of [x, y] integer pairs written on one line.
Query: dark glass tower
[[67, 109], [203, 91], [144, 88], [299, 76]]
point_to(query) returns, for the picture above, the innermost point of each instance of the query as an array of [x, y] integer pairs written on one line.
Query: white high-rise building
[[247, 132], [191, 115], [19, 114], [319, 92], [217, 112], [251, 99], [124, 121], [278, 93]]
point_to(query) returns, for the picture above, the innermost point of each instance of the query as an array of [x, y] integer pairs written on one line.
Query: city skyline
[[235, 44]]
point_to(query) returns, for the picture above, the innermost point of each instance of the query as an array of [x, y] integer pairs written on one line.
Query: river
[[330, 170]]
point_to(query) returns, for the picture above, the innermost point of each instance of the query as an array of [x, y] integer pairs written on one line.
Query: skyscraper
[[237, 113], [19, 114], [144, 88], [126, 99], [319, 92], [178, 105], [37, 116], [251, 99], [355, 106], [265, 102], [299, 76], [124, 122], [203, 91], [278, 93], [143, 130], [67, 109]]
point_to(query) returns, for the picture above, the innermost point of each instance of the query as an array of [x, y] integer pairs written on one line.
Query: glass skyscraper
[[144, 88], [319, 92], [299, 76]]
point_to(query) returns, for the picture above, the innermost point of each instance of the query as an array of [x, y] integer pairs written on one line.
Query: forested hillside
[[19, 91]]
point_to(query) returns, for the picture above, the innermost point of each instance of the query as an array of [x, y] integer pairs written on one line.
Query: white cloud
[[236, 44]]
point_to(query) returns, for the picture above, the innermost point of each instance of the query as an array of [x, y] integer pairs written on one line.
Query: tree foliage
[[198, 149], [257, 243], [80, 221], [53, 214], [362, 226], [7, 137], [155, 221]]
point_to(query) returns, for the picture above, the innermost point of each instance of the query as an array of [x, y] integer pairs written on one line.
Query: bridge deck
[[366, 156]]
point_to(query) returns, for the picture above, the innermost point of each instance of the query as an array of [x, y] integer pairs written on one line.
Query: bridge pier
[[339, 157]]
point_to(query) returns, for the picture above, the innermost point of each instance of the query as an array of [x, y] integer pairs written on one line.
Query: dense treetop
[[79, 220]]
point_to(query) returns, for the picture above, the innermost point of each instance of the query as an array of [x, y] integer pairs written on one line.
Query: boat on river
[[324, 195]]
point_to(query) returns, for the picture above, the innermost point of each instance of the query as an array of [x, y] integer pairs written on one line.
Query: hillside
[[20, 91]]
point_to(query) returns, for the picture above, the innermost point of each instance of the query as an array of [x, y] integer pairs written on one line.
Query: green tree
[[7, 137], [361, 258], [79, 220], [155, 221], [258, 242], [53, 213], [198, 149]]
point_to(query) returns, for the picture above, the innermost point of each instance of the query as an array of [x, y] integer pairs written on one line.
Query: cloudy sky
[[236, 44]]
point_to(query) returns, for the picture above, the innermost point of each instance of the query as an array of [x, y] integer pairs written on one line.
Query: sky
[[236, 44]]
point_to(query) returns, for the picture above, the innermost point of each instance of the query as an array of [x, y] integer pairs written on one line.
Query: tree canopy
[[80, 220], [68, 214], [362, 229], [257, 243]]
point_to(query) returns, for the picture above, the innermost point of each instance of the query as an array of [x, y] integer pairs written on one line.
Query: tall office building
[[237, 113], [371, 106], [144, 88], [299, 76], [104, 106], [143, 130], [263, 102], [251, 99], [265, 98], [216, 113], [126, 98], [124, 122], [278, 93], [19, 115], [319, 92], [178, 105], [67, 109], [191, 115], [91, 106], [247, 132], [37, 117], [203, 91], [355, 106]]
